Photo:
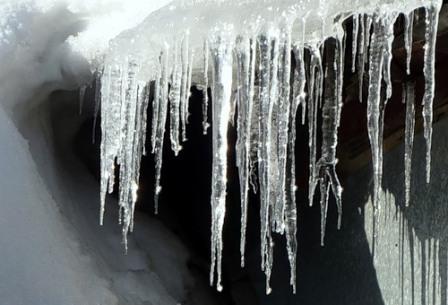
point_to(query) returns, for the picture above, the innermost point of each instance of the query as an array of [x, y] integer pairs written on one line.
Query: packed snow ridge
[[251, 54]]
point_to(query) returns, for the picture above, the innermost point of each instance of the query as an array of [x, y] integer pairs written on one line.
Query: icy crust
[[248, 18], [252, 57]]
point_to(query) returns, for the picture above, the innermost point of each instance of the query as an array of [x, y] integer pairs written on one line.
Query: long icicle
[[245, 56], [283, 124], [221, 47], [110, 130], [161, 122], [374, 101], [316, 77], [331, 112], [431, 23], [265, 154]]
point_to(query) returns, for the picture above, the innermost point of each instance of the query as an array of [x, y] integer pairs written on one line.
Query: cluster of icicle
[[266, 79]]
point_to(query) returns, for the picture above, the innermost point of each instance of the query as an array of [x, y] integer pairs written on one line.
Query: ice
[[179, 84], [408, 99], [162, 95], [431, 22], [221, 45], [245, 56], [251, 65], [408, 39], [331, 115], [266, 154], [205, 124], [355, 40], [314, 89], [265, 61]]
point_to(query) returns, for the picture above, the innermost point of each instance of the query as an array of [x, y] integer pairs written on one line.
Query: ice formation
[[262, 61], [255, 55]]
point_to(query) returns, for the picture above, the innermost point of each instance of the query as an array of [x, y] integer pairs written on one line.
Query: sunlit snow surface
[[243, 51]]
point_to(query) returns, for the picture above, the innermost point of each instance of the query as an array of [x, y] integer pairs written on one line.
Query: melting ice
[[253, 53]]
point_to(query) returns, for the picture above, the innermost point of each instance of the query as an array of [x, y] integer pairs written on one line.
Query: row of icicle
[[267, 98]]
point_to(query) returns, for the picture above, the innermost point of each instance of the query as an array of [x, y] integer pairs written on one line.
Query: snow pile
[[53, 251]]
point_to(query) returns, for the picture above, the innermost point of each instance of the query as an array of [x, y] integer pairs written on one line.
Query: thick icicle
[[408, 39], [128, 186], [379, 68], [291, 187], [408, 96], [362, 52], [431, 22], [300, 73], [221, 49], [155, 108], [110, 129], [284, 92], [162, 97], [326, 166], [387, 53], [245, 55]]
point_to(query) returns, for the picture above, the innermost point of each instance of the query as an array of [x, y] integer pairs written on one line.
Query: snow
[[52, 250], [245, 46]]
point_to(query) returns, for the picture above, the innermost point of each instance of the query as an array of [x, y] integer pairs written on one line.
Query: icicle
[[128, 186], [155, 108], [431, 22], [266, 151], [221, 49], [111, 134], [408, 97], [408, 39], [185, 89], [374, 101], [363, 50], [284, 73], [82, 93], [387, 53], [205, 124], [161, 121], [331, 112], [179, 83], [355, 40], [186, 114], [290, 203], [246, 55], [316, 72]]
